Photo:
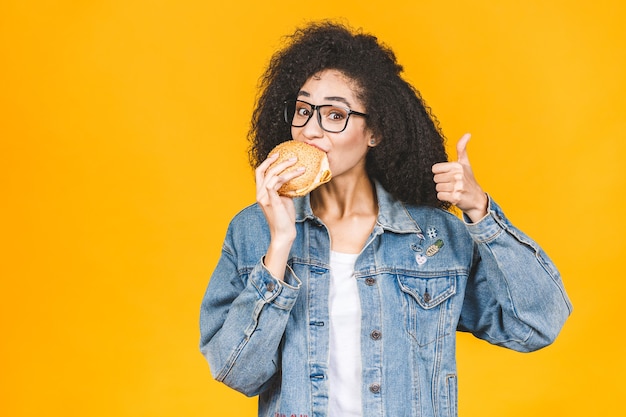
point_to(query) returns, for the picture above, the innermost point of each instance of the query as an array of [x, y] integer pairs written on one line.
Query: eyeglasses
[[330, 117]]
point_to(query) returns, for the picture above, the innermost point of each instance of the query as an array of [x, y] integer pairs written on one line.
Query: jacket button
[[375, 388], [370, 281], [270, 286], [376, 334]]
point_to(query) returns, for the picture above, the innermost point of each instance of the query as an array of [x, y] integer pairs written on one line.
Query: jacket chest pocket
[[427, 305]]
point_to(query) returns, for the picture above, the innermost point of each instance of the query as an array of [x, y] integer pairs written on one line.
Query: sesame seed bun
[[314, 160]]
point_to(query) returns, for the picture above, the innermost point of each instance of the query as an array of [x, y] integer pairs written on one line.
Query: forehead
[[329, 84]]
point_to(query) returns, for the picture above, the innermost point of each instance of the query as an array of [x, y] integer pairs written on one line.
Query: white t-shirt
[[344, 373]]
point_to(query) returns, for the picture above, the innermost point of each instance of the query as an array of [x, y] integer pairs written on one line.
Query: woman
[[345, 302]]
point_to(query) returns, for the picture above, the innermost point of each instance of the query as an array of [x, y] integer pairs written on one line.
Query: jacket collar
[[392, 214]]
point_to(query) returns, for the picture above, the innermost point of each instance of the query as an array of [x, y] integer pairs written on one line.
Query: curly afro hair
[[410, 140]]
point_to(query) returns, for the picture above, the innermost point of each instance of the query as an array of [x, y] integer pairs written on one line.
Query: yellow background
[[123, 157]]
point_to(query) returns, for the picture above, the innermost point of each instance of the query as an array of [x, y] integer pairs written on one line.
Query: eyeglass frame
[[316, 107]]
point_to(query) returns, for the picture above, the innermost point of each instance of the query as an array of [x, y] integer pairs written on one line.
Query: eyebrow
[[331, 98]]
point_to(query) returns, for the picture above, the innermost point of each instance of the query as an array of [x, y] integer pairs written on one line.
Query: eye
[[336, 114], [303, 110]]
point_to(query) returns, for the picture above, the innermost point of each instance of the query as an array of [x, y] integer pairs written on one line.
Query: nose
[[312, 129]]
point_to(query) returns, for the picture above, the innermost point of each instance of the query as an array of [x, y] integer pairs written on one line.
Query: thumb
[[461, 149]]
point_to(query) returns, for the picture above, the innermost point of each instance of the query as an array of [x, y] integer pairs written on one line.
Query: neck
[[343, 197]]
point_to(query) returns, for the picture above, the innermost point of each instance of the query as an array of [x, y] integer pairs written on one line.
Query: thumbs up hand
[[455, 183]]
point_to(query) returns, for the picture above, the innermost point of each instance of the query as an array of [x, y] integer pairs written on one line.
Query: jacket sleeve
[[242, 320], [514, 296]]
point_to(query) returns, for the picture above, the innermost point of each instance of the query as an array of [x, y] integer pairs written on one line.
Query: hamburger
[[315, 162]]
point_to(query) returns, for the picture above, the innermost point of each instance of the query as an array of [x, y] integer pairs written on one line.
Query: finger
[[281, 166], [274, 183], [288, 176], [448, 171], [291, 174], [442, 167], [264, 171], [461, 149], [442, 177], [268, 161], [260, 170], [448, 196], [444, 187]]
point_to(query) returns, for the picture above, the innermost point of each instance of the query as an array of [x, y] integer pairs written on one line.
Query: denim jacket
[[422, 275]]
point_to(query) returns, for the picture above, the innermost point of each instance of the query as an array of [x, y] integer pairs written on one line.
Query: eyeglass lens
[[331, 118]]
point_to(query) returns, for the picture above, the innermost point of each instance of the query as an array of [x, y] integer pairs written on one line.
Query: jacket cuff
[[282, 294], [490, 226]]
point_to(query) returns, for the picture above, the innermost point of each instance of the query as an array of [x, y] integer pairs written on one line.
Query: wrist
[[276, 257], [479, 211]]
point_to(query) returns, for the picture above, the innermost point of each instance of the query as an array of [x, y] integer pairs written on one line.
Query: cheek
[[347, 156]]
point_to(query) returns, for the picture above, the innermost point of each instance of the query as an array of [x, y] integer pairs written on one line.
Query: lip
[[315, 146]]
